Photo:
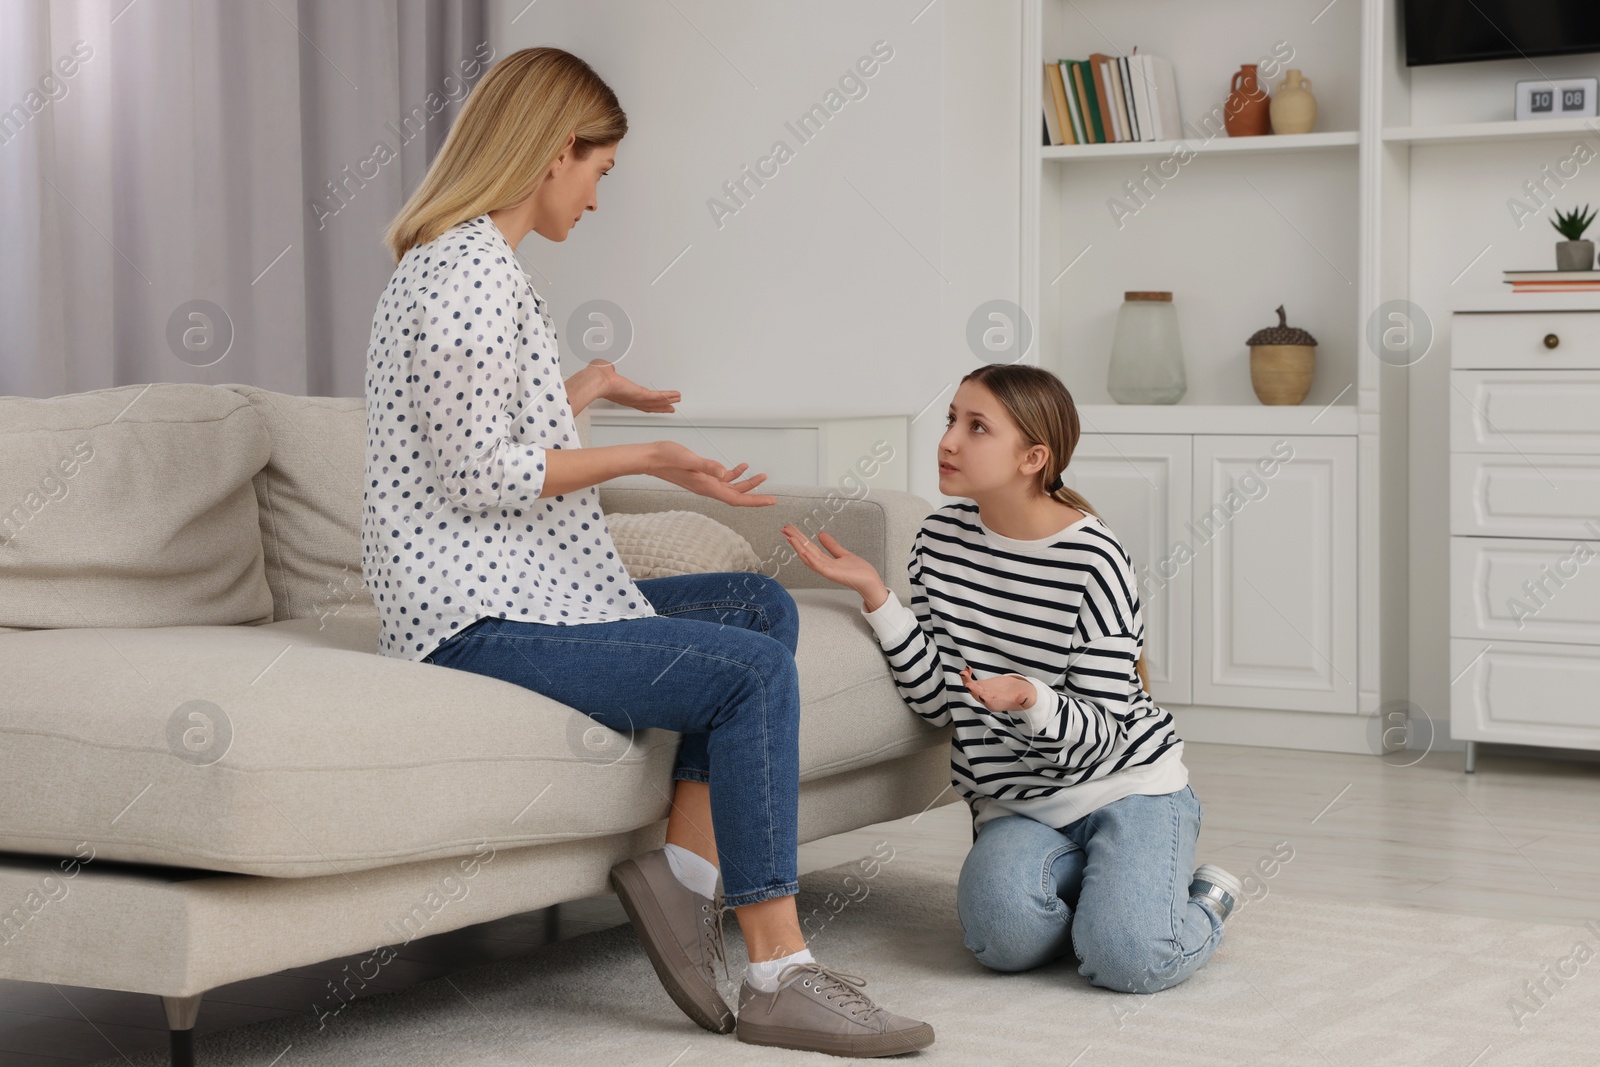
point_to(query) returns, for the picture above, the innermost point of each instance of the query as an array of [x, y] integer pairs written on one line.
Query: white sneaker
[[1219, 888]]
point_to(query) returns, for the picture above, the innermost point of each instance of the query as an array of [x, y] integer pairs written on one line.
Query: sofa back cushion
[[309, 496], [131, 506]]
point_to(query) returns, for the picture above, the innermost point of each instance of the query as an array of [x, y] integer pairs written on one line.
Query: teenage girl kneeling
[[1025, 631]]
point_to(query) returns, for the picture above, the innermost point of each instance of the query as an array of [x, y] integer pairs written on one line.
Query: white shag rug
[[1296, 981]]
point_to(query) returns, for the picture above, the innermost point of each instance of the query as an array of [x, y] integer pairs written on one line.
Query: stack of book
[[1553, 281], [1110, 98]]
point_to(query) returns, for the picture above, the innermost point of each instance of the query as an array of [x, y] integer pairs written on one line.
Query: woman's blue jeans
[[1113, 886], [715, 664]]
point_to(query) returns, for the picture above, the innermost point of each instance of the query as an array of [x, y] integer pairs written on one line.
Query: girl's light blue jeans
[[1112, 887], [715, 664]]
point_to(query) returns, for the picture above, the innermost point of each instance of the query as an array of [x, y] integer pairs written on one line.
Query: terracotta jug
[[1246, 112], [1293, 108]]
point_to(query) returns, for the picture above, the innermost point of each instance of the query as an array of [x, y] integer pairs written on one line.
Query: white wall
[[1462, 235], [841, 286]]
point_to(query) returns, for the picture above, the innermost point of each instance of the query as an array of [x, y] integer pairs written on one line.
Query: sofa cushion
[[290, 749], [663, 544], [309, 495], [131, 506]]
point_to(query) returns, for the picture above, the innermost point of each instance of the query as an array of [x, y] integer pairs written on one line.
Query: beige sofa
[[207, 772]]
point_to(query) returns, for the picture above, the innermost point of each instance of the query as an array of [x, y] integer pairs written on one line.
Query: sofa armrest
[[878, 525]]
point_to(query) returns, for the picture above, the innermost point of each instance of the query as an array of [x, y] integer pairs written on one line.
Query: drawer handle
[[1551, 340]]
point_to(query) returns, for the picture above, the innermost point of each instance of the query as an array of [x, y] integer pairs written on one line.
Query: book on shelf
[[1164, 98], [1088, 100], [1054, 135], [1114, 72], [1141, 97], [1576, 277], [1553, 281], [1058, 92], [1109, 98], [1074, 112], [1124, 101]]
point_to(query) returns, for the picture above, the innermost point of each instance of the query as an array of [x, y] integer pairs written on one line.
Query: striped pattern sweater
[[1062, 612]]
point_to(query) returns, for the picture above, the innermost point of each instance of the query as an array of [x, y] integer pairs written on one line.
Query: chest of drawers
[[1525, 528]]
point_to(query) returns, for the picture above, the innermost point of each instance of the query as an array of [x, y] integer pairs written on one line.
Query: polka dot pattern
[[464, 398]]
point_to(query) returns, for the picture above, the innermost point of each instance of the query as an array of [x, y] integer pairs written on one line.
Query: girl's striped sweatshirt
[[1061, 611]]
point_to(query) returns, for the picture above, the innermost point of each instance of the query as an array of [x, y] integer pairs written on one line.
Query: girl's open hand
[[837, 564], [1004, 692]]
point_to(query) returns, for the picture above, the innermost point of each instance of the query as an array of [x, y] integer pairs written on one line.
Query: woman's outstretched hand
[[672, 462], [619, 390], [838, 564]]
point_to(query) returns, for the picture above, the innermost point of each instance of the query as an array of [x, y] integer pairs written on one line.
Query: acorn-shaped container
[[1282, 361]]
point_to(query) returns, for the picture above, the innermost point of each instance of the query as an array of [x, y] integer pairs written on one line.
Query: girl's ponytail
[[1068, 495]]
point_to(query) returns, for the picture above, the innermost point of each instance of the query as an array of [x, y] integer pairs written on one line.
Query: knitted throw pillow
[[658, 544]]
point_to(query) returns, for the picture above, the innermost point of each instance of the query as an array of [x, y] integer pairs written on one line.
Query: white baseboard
[[1264, 728]]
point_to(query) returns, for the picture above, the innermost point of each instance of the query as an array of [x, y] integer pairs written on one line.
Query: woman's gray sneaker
[[682, 933], [820, 1010]]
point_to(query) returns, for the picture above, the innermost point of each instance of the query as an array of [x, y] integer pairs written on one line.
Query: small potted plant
[[1574, 253]]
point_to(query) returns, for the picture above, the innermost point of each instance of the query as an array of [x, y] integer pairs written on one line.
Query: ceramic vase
[[1293, 108], [1246, 112]]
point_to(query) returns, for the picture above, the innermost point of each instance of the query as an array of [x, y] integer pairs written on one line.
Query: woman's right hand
[[672, 462]]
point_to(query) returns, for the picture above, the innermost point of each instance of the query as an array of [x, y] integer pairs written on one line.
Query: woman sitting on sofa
[[486, 551]]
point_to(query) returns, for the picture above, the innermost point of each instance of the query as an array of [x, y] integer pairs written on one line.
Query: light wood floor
[[1520, 839]]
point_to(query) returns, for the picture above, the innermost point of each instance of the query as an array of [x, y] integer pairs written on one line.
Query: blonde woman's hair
[[514, 124], [1042, 410]]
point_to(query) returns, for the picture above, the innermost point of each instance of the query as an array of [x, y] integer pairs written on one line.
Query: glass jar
[[1146, 355]]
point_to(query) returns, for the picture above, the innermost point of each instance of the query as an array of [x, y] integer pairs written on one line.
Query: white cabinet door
[[1275, 578], [1139, 484]]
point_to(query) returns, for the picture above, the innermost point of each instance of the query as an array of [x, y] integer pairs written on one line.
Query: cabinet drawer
[[1524, 589], [1525, 411], [1516, 339], [1525, 693], [1511, 495]]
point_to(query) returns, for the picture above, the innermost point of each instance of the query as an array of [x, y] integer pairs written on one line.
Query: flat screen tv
[[1460, 31]]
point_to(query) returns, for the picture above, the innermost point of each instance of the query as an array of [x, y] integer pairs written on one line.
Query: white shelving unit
[[1276, 632], [1321, 223], [1294, 142], [1473, 132]]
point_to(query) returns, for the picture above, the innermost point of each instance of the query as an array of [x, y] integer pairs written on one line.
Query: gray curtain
[[196, 190]]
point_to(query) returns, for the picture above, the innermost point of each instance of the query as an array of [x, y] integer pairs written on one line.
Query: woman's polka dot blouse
[[464, 397]]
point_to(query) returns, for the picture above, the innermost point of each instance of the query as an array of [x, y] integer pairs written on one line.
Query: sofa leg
[[181, 1015]]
